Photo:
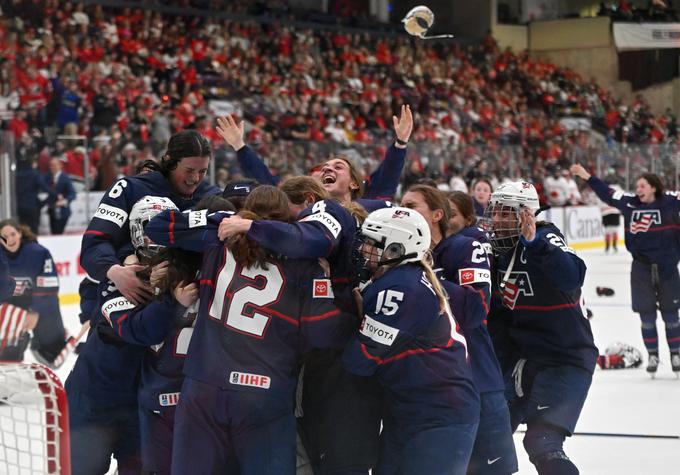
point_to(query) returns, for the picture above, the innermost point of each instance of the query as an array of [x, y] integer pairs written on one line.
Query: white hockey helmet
[[501, 217], [140, 215], [516, 194], [418, 20], [400, 235]]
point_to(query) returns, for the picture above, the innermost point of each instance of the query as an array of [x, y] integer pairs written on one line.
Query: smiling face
[[336, 178], [12, 237], [645, 191], [188, 175]]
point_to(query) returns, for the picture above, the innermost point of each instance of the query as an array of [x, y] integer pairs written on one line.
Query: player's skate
[[653, 364], [675, 363]]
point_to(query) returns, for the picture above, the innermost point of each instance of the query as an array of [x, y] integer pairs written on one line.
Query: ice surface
[[620, 401]]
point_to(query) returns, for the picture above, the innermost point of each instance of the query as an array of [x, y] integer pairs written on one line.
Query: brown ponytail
[[264, 202]]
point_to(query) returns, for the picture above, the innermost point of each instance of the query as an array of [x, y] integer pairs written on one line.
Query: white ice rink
[[620, 401]]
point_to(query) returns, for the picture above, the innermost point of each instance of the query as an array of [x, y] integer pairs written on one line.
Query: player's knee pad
[[648, 320], [555, 463], [671, 319], [542, 439]]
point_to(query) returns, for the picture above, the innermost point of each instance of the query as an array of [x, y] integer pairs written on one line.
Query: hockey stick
[[70, 345], [626, 436]]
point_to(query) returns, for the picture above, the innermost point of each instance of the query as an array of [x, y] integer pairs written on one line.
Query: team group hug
[[316, 326]]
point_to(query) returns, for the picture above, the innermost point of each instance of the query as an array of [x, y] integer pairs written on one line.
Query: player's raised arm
[[609, 195], [384, 180], [252, 165]]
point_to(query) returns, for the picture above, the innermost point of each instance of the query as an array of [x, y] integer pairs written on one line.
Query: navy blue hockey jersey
[[36, 281], [109, 228], [463, 262], [325, 229], [164, 327], [107, 369], [417, 353], [651, 229], [382, 184], [254, 324], [7, 282], [539, 308]]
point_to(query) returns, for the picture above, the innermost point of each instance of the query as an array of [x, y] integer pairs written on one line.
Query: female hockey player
[[259, 314], [164, 326], [341, 421], [36, 291], [409, 340], [462, 260], [382, 183], [651, 224], [542, 332]]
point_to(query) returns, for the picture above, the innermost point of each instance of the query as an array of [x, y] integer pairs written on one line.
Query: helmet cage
[[502, 225]]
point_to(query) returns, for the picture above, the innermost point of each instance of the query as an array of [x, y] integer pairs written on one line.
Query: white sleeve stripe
[[198, 218], [474, 276], [378, 332], [327, 220], [110, 213], [116, 305], [49, 281]]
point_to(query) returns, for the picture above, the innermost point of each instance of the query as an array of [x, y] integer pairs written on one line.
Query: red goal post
[[34, 430]]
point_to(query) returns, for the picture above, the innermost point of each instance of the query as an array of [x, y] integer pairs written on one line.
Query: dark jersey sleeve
[[468, 309], [385, 179], [7, 282], [107, 231], [562, 267], [188, 230], [253, 166], [322, 324], [45, 299], [316, 234], [394, 314], [616, 198], [143, 325], [465, 262]]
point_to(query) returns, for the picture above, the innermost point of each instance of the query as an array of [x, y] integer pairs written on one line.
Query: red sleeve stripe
[[44, 294], [398, 356], [208, 282], [282, 316], [660, 228], [120, 324], [323, 316], [543, 308], [171, 228], [483, 296], [96, 233]]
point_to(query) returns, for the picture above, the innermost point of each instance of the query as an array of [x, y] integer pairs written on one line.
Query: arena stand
[[125, 77]]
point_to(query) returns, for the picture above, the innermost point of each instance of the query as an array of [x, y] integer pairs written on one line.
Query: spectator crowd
[[123, 80]]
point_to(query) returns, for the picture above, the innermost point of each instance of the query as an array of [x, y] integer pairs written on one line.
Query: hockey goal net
[[34, 436]]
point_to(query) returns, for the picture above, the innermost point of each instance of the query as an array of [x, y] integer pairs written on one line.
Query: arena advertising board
[[632, 36]]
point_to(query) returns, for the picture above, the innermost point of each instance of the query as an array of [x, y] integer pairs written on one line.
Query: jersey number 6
[[246, 292]]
